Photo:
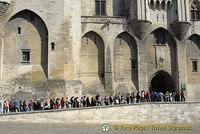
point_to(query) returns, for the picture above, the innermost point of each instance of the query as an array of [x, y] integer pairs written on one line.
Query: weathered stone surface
[[146, 114], [97, 53]]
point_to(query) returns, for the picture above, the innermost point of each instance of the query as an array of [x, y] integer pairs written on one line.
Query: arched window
[[152, 4], [163, 5], [157, 4], [194, 11]]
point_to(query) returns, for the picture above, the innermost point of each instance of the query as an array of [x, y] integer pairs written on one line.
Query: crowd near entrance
[[162, 82]]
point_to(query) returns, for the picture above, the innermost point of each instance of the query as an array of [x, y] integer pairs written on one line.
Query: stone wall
[[94, 53], [159, 113]]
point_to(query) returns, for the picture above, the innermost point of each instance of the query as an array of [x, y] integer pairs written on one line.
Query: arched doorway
[[162, 82]]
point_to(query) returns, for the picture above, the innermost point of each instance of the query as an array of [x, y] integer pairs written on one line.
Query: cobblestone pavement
[[35, 128]]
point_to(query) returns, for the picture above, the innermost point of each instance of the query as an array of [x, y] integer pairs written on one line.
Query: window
[[26, 55], [159, 38], [100, 7], [194, 11], [19, 30], [194, 66], [52, 45], [195, 14]]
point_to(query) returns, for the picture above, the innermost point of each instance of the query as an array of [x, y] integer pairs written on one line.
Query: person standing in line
[[30, 105], [72, 102], [67, 103], [1, 108], [21, 106], [84, 101], [127, 98], [138, 98], [111, 100], [42, 104], [58, 103], [133, 98], [81, 102], [182, 96], [122, 99], [119, 97], [46, 106], [16, 109], [148, 97], [62, 103], [93, 101], [35, 105], [106, 100], [5, 107], [51, 103], [25, 107], [142, 96]]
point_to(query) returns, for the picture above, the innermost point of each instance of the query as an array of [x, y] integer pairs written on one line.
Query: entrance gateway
[[162, 82]]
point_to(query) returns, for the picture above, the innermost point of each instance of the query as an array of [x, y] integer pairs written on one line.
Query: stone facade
[[81, 47]]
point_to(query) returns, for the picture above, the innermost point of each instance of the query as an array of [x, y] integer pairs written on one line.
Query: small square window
[[194, 66], [26, 56], [19, 30]]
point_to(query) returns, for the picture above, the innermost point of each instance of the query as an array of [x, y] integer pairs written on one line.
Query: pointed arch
[[92, 63], [26, 33], [32, 12], [162, 53], [195, 38], [162, 81], [126, 61]]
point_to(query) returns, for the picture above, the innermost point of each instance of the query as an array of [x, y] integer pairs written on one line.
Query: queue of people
[[85, 101]]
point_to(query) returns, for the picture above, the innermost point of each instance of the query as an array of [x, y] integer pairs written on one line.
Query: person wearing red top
[[148, 96], [30, 105], [10, 107], [62, 103], [55, 106]]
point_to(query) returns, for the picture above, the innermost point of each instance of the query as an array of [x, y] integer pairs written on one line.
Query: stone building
[[83, 47]]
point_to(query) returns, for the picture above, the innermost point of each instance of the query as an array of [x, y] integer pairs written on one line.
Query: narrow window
[[158, 5], [19, 30], [103, 8], [97, 4], [152, 4], [52, 45], [192, 14], [25, 55], [100, 7], [194, 66], [163, 5]]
